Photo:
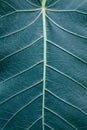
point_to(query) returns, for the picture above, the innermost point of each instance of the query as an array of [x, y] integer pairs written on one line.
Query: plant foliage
[[43, 65]]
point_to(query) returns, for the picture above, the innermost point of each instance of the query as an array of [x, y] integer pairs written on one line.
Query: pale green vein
[[34, 123], [21, 72], [21, 109], [19, 11], [62, 73], [81, 3], [8, 14], [8, 112], [20, 92], [45, 60], [58, 46], [32, 3], [66, 102], [28, 10], [20, 50], [59, 11], [23, 27], [62, 11], [66, 30], [81, 12], [64, 120], [56, 2], [8, 4], [49, 126]]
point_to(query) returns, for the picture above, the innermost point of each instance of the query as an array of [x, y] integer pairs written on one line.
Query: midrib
[[45, 60]]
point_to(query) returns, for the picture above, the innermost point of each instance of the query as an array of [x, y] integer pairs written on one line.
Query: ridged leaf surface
[[43, 65]]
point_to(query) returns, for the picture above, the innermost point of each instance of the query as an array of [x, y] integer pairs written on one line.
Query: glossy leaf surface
[[43, 65]]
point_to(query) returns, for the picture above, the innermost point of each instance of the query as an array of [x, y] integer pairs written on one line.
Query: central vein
[[45, 48]]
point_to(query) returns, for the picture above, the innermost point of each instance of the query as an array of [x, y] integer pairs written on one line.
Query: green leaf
[[43, 65]]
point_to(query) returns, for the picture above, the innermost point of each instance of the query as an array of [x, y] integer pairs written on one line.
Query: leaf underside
[[43, 65]]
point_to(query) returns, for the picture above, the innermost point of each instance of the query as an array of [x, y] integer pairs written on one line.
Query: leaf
[[43, 65]]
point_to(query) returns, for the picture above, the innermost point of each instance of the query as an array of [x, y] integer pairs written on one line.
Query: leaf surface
[[43, 65]]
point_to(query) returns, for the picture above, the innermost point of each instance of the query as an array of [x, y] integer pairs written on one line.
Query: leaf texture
[[43, 65]]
